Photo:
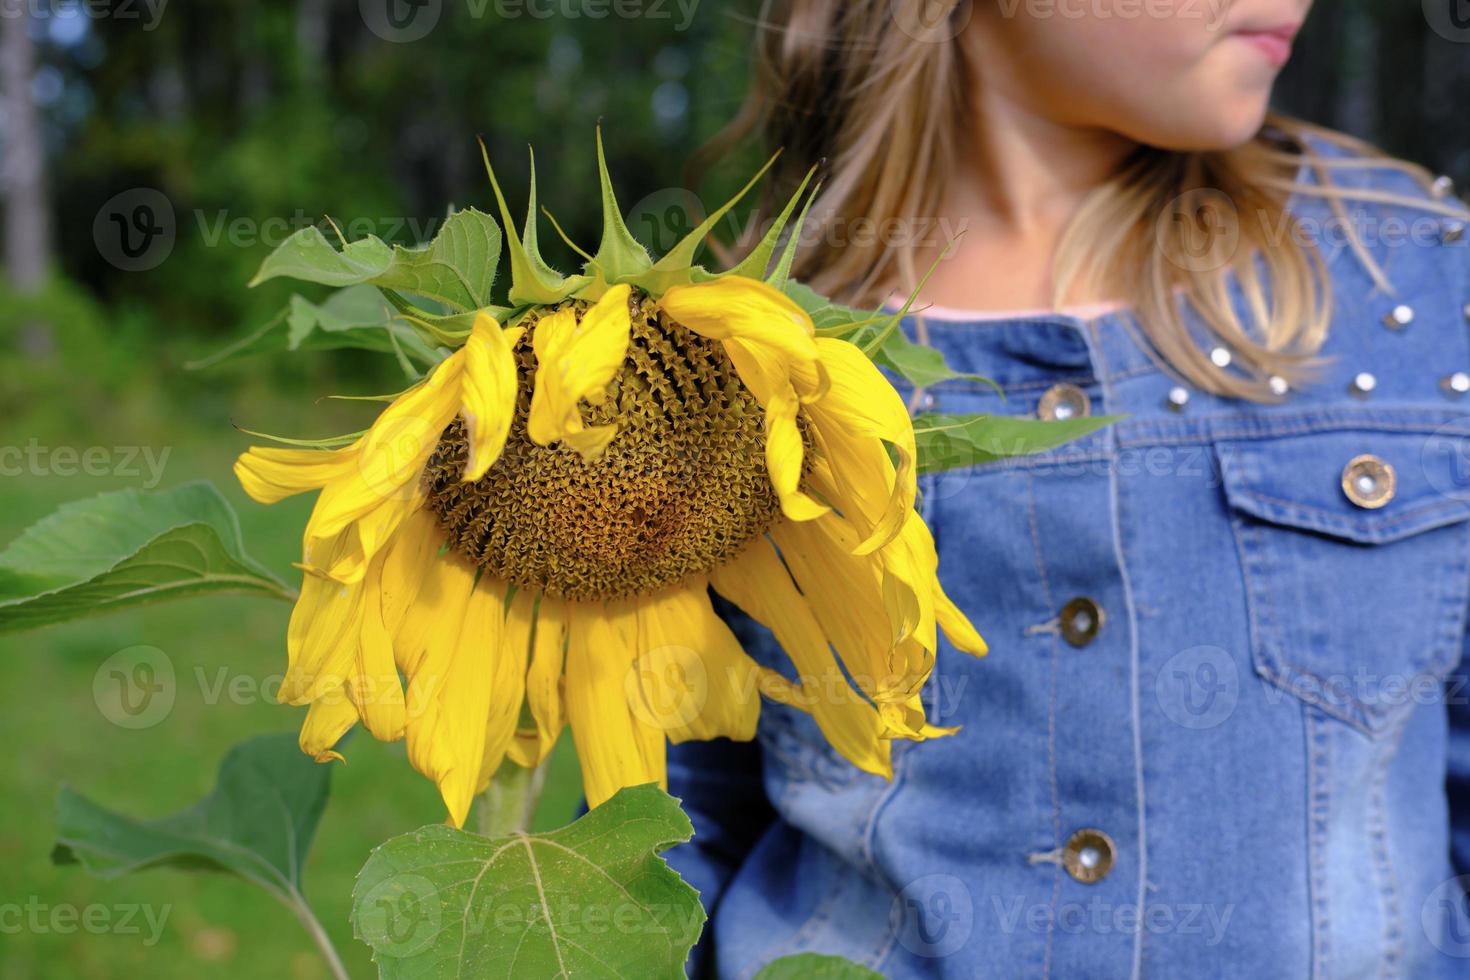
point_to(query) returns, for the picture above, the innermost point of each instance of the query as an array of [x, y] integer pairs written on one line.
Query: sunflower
[[527, 538]]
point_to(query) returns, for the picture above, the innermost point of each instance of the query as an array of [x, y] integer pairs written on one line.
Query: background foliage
[[250, 119]]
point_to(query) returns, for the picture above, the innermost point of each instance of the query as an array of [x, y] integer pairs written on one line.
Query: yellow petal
[[577, 360], [449, 696], [615, 747], [765, 375], [957, 626], [489, 392], [757, 582], [736, 307], [365, 536], [508, 683], [692, 679], [845, 593], [543, 686], [393, 452], [373, 684], [438, 606], [269, 474], [327, 720], [321, 638], [865, 406]]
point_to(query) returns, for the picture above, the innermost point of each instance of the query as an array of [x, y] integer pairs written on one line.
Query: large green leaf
[[948, 442], [257, 824], [124, 549], [592, 899], [814, 966], [457, 268], [358, 316]]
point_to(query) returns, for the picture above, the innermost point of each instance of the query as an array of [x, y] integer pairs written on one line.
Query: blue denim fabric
[[1270, 724]]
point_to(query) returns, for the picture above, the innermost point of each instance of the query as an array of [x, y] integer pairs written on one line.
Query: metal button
[[1455, 385], [1466, 311], [1363, 385], [1399, 317], [1178, 398], [1280, 387], [1451, 232], [1442, 186], [1221, 357], [928, 401], [1062, 402], [1369, 482], [1089, 855], [1081, 619]]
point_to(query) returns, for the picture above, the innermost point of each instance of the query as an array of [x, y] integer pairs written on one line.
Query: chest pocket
[[1355, 548]]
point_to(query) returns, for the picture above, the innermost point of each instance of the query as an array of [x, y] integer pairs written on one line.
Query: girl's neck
[[1022, 181]]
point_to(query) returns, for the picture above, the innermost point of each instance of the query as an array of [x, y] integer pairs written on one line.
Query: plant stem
[[319, 936], [509, 802]]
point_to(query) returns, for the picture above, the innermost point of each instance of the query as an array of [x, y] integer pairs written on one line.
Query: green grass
[[55, 735]]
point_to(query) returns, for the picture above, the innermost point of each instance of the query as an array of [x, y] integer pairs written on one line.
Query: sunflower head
[[538, 522]]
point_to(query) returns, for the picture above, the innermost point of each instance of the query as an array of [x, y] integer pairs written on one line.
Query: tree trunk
[[27, 220]]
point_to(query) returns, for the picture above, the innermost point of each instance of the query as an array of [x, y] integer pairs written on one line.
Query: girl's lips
[[1275, 45]]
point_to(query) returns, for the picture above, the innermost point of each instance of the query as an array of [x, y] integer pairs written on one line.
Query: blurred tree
[[27, 208]]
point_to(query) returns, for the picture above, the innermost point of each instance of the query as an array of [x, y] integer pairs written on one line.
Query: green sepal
[[330, 442], [532, 281], [620, 257], [782, 273], [677, 267], [754, 265]]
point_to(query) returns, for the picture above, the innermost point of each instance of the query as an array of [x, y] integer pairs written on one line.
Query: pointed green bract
[[532, 281], [754, 265], [681, 256], [782, 272], [620, 256]]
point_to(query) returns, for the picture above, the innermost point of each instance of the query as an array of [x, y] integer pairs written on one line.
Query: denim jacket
[[1223, 729]]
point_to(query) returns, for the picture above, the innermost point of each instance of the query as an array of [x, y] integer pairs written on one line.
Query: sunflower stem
[[509, 802]]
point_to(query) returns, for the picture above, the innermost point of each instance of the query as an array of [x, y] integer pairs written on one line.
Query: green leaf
[[358, 316], [815, 966], [124, 549], [457, 268], [257, 823], [947, 442], [592, 899]]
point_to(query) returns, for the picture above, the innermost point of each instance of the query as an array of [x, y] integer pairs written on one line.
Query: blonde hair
[[883, 111]]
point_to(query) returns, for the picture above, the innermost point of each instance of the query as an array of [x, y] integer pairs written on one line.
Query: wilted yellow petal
[[577, 360], [615, 747], [270, 474], [327, 720], [758, 583], [489, 392], [543, 686], [449, 696], [693, 680]]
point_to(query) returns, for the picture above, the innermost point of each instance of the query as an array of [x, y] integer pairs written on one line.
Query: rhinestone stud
[[1399, 317]]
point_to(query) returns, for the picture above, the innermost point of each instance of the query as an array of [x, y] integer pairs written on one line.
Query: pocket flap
[[1298, 481]]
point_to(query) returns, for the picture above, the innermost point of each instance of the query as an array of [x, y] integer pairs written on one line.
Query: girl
[[1219, 732]]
